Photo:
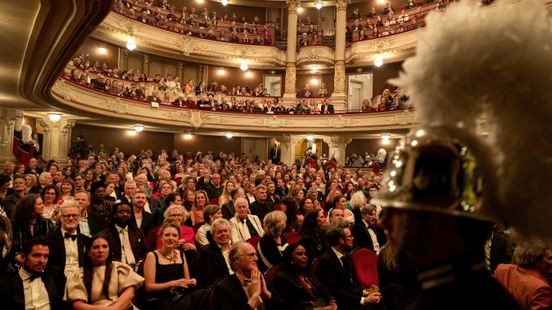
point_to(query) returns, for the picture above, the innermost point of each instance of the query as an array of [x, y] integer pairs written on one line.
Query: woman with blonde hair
[[200, 201], [227, 188], [272, 243]]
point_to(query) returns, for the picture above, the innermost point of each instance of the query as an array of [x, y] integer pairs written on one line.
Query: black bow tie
[[68, 235], [35, 276]]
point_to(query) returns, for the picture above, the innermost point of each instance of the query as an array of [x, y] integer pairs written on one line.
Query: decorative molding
[[339, 122], [392, 48], [274, 122], [321, 55]]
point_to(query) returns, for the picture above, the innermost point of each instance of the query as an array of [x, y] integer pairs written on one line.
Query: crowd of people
[[199, 23], [173, 229]]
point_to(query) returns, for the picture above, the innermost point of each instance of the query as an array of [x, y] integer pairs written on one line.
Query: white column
[[337, 146], [8, 120], [291, 55], [57, 138], [338, 96]]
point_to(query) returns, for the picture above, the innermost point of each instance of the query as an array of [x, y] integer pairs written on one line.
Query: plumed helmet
[[431, 172]]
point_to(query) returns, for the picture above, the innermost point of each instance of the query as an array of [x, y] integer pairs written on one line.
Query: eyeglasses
[[349, 237], [70, 215]]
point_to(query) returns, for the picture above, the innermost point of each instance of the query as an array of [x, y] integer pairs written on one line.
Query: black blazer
[[57, 249], [362, 237], [228, 210], [148, 222], [230, 295], [211, 265], [339, 280], [137, 242], [13, 298]]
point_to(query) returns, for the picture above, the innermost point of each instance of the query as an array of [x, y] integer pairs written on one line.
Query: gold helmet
[[429, 171]]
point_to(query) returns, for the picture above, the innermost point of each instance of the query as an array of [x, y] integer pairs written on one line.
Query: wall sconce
[[385, 138], [188, 136], [224, 2], [378, 62], [229, 135], [244, 66], [309, 137], [54, 116], [248, 74], [319, 4], [138, 128], [131, 45]]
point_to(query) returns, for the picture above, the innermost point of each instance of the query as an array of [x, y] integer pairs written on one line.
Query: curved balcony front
[[117, 29], [85, 99]]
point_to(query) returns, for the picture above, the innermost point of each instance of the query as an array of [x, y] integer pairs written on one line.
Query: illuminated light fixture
[[131, 45], [299, 8], [319, 4], [138, 128], [131, 133], [381, 1], [310, 137], [378, 62], [244, 66], [102, 50], [200, 1], [188, 136], [314, 81], [248, 74], [385, 138], [54, 116], [229, 135], [224, 2], [221, 72]]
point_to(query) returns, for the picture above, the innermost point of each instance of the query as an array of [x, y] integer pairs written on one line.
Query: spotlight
[[229, 135], [319, 4], [131, 45], [244, 66], [54, 116], [138, 128], [378, 62]]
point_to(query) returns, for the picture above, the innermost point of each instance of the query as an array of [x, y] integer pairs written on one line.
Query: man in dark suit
[[230, 292], [213, 265], [126, 239], [67, 243], [32, 286], [145, 220], [366, 232], [275, 154], [262, 205], [335, 270], [327, 107]]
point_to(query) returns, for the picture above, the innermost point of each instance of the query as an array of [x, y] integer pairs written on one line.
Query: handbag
[[177, 293]]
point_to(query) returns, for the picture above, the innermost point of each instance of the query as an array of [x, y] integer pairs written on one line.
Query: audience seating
[[292, 237], [254, 241], [365, 263], [270, 274]]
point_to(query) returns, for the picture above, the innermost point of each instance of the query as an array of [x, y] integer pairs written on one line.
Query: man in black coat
[[32, 285], [67, 243], [367, 233], [213, 265]]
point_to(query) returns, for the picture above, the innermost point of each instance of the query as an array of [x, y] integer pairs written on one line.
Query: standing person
[[275, 154], [246, 288], [435, 225], [527, 277], [102, 282], [34, 286]]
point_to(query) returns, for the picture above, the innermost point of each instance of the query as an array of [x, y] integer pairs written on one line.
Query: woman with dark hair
[[294, 219], [101, 282], [188, 196], [27, 223], [49, 195], [89, 178], [4, 187], [312, 234], [67, 191], [295, 284]]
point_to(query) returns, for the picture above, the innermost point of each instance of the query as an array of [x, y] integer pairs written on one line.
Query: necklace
[[170, 257]]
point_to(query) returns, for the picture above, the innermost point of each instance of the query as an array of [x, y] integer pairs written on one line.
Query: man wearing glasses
[[66, 242]]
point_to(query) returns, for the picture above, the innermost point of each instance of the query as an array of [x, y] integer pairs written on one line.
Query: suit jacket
[[228, 210], [339, 279], [213, 266], [362, 236], [261, 209], [327, 109], [136, 238], [275, 154], [240, 231], [230, 295], [57, 248], [149, 221], [501, 252], [13, 298]]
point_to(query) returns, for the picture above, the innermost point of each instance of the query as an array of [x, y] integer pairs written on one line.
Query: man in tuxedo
[[128, 191], [367, 233], [261, 206], [126, 239], [275, 154], [327, 107], [32, 287], [145, 220], [67, 243], [335, 270]]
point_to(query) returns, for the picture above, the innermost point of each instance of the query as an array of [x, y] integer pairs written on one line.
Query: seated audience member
[[295, 284], [367, 233], [214, 257], [261, 206], [145, 220], [210, 213], [127, 241], [335, 270], [66, 242], [526, 279], [17, 192], [272, 244], [166, 274], [175, 214], [313, 234], [246, 288], [27, 223], [228, 209], [102, 282], [201, 199], [244, 225], [34, 285]]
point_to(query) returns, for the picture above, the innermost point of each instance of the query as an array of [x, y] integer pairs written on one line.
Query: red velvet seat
[[365, 263], [271, 273], [254, 241], [292, 237]]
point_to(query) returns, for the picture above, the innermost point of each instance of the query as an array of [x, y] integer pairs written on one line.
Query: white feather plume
[[493, 63]]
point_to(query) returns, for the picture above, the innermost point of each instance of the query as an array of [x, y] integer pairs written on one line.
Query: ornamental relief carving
[[339, 122], [63, 90], [274, 122], [117, 106]]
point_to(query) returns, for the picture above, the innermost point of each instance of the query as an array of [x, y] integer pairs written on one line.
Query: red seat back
[[314, 268], [292, 237], [365, 263], [254, 241], [271, 273]]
